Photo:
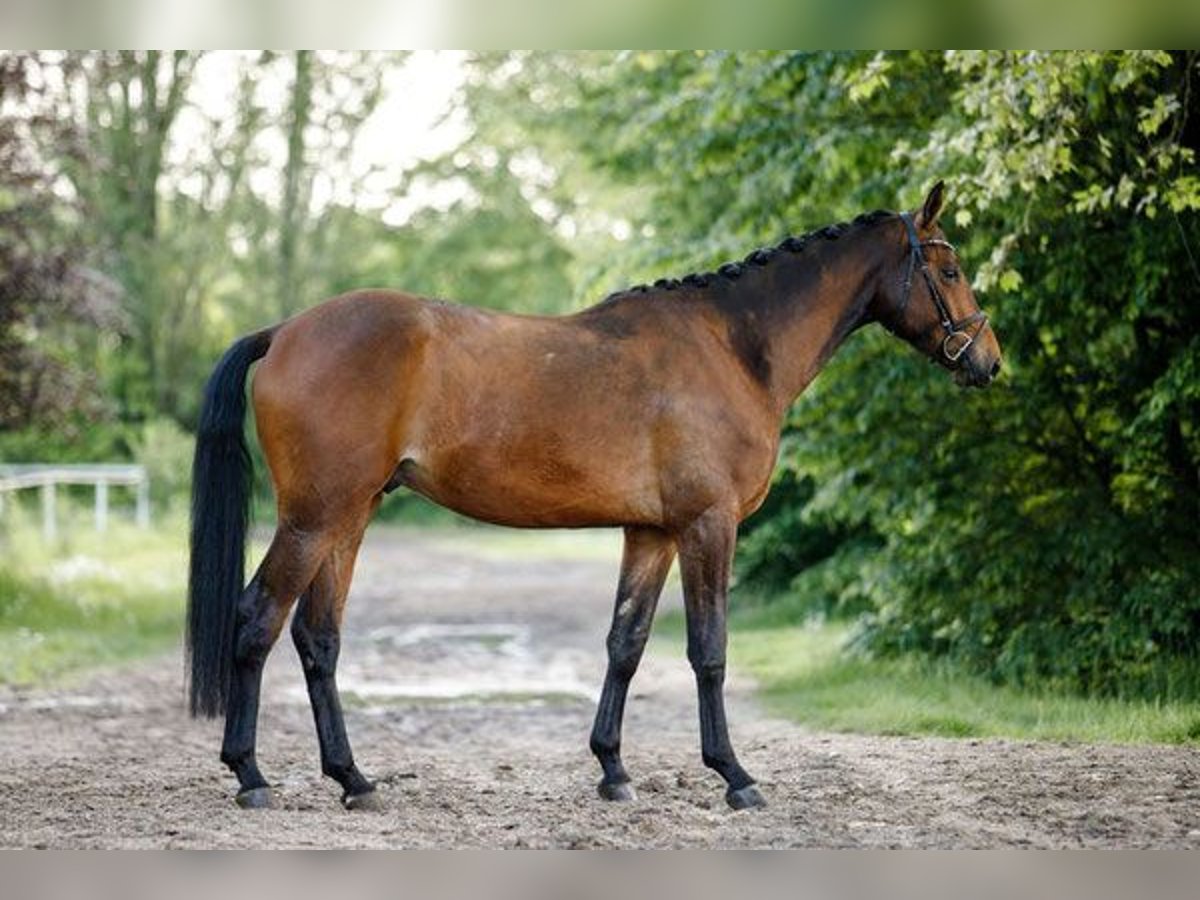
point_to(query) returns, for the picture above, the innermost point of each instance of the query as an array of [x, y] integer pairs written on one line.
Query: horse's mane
[[731, 271]]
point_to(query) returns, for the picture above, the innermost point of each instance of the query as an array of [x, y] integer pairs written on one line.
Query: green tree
[[127, 104], [51, 304]]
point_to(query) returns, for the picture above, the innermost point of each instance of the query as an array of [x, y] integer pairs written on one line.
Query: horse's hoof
[[256, 798], [619, 791], [368, 801], [748, 797]]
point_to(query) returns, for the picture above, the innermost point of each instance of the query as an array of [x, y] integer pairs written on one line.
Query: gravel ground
[[469, 678]]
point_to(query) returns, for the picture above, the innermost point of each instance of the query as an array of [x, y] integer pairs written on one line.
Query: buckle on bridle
[[955, 344]]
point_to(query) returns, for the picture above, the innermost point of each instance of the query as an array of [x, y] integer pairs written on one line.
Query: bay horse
[[657, 411]]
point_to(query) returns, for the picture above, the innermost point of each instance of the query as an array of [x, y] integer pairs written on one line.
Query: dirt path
[[470, 679]]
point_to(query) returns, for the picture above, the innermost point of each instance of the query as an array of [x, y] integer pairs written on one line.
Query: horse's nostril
[[995, 369]]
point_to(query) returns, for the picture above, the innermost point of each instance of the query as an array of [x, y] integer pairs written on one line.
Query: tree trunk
[[295, 205]]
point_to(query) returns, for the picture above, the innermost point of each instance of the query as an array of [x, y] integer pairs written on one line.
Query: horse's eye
[[950, 273]]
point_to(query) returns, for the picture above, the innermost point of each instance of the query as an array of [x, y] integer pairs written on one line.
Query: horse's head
[[926, 299]]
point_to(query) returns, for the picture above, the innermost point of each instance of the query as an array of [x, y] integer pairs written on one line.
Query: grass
[[91, 599], [806, 673]]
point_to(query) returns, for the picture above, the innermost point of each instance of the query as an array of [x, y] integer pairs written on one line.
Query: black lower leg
[[715, 747], [254, 635], [606, 731], [318, 647], [648, 556]]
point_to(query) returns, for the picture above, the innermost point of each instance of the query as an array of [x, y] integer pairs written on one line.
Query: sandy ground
[[470, 679]]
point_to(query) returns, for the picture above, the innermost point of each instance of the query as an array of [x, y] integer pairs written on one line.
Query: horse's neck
[[824, 304]]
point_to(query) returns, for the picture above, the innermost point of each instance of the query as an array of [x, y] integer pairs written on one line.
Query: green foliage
[[78, 438], [701, 155], [49, 307], [489, 249], [1044, 531], [797, 560], [165, 450]]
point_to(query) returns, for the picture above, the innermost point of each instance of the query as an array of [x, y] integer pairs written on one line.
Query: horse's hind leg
[[262, 609], [644, 566], [316, 631]]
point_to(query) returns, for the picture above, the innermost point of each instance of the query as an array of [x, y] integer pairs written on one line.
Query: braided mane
[[731, 271]]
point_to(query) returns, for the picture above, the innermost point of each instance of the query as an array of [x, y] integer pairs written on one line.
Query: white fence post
[[49, 522], [102, 506], [143, 503]]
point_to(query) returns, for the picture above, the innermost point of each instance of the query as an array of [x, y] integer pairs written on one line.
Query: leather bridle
[[957, 338]]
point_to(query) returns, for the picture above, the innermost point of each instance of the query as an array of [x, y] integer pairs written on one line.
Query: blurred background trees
[[1041, 532]]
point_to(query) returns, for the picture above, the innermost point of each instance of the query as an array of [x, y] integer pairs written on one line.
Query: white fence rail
[[47, 477]]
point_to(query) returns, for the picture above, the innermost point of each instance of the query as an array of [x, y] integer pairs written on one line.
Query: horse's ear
[[929, 213]]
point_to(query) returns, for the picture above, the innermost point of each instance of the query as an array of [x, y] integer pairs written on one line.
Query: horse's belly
[[529, 492]]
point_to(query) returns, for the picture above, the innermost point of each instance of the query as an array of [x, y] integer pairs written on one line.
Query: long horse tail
[[222, 477]]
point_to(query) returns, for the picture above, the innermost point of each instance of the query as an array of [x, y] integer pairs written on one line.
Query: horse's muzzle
[[972, 374]]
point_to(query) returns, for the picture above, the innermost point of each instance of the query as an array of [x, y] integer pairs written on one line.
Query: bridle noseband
[[957, 339]]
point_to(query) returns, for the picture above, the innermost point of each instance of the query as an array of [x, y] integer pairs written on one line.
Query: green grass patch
[[809, 674], [90, 599]]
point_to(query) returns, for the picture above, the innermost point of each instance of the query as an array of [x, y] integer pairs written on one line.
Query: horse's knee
[[623, 657], [625, 647], [709, 670]]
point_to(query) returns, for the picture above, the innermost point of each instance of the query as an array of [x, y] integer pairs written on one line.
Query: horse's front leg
[[644, 566], [705, 557]]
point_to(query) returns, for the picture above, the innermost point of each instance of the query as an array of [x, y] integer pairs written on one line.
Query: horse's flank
[[645, 409]]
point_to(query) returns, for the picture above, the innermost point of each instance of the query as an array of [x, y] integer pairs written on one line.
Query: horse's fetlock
[[714, 761], [337, 771], [603, 746], [235, 759]]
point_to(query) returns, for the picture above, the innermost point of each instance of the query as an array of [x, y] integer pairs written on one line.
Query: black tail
[[221, 482]]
